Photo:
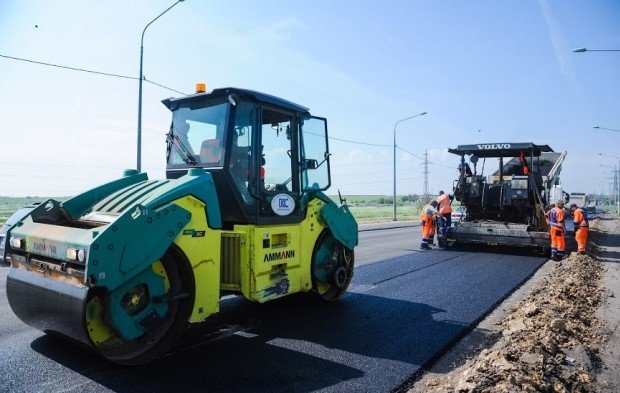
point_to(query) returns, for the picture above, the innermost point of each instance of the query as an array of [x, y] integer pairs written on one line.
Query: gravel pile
[[548, 342]]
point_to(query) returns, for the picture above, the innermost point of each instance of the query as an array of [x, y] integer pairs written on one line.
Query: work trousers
[[428, 232], [558, 244], [444, 224], [582, 237]]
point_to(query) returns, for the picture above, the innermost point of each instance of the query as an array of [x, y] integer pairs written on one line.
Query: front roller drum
[[84, 314], [48, 305]]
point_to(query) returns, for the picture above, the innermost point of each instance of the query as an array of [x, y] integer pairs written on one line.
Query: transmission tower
[[425, 172]]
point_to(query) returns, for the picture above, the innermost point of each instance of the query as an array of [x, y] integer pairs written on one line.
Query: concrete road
[[403, 309]]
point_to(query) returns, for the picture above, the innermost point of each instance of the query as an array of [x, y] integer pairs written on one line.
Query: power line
[[383, 145], [89, 71], [359, 143], [420, 158], [348, 140], [163, 87]]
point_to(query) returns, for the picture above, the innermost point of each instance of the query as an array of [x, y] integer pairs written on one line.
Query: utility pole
[[139, 144], [395, 124], [425, 172]]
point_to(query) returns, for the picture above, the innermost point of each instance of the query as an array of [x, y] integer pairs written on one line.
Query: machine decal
[[193, 233], [282, 204], [44, 248], [279, 288], [274, 256], [494, 146]]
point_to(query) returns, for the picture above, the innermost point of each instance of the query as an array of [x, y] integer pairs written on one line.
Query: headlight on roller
[[17, 242], [71, 254], [76, 254]]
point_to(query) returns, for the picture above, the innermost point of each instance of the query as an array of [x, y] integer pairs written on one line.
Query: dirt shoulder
[[558, 333]]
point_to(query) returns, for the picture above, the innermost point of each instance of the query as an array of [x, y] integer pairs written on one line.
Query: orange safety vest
[[580, 218], [444, 204], [556, 217]]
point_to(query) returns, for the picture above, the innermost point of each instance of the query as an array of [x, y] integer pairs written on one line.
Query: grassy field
[[372, 208], [365, 208]]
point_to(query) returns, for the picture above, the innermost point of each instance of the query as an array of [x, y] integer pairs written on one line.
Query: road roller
[[125, 267]]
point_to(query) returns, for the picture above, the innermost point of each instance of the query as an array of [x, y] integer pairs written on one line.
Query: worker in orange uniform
[[557, 229], [428, 216], [523, 161], [582, 226], [444, 202]]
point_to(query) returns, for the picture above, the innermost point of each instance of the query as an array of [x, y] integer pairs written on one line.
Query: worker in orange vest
[[557, 229], [582, 226], [428, 216], [445, 210]]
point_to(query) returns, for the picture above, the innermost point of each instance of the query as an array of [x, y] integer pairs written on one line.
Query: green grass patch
[[385, 212]]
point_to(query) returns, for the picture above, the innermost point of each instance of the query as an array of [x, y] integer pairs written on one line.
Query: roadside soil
[[560, 332]]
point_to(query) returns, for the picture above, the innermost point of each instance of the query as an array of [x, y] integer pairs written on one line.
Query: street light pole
[[605, 128], [139, 148], [581, 50], [394, 194]]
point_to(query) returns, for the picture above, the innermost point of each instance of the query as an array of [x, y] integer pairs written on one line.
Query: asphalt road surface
[[403, 309]]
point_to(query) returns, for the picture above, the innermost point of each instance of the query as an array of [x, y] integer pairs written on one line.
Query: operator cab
[[262, 151]]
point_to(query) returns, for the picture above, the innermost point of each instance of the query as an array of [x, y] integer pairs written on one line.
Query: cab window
[[198, 136], [277, 169]]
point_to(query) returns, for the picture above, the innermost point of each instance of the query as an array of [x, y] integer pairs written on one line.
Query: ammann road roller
[[126, 266]]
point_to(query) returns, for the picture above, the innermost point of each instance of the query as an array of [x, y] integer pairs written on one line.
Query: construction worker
[[557, 229], [523, 161], [582, 226], [428, 216], [445, 210]]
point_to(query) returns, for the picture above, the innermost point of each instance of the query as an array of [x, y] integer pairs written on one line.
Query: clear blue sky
[[505, 68]]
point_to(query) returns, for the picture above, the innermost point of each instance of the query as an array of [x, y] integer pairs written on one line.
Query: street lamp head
[[596, 127], [579, 50], [423, 113]]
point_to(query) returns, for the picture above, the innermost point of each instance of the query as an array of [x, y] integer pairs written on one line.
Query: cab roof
[[507, 149], [173, 103]]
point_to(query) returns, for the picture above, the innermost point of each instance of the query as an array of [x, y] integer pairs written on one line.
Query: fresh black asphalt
[[397, 316]]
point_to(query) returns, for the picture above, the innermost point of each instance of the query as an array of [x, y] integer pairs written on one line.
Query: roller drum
[[48, 305]]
